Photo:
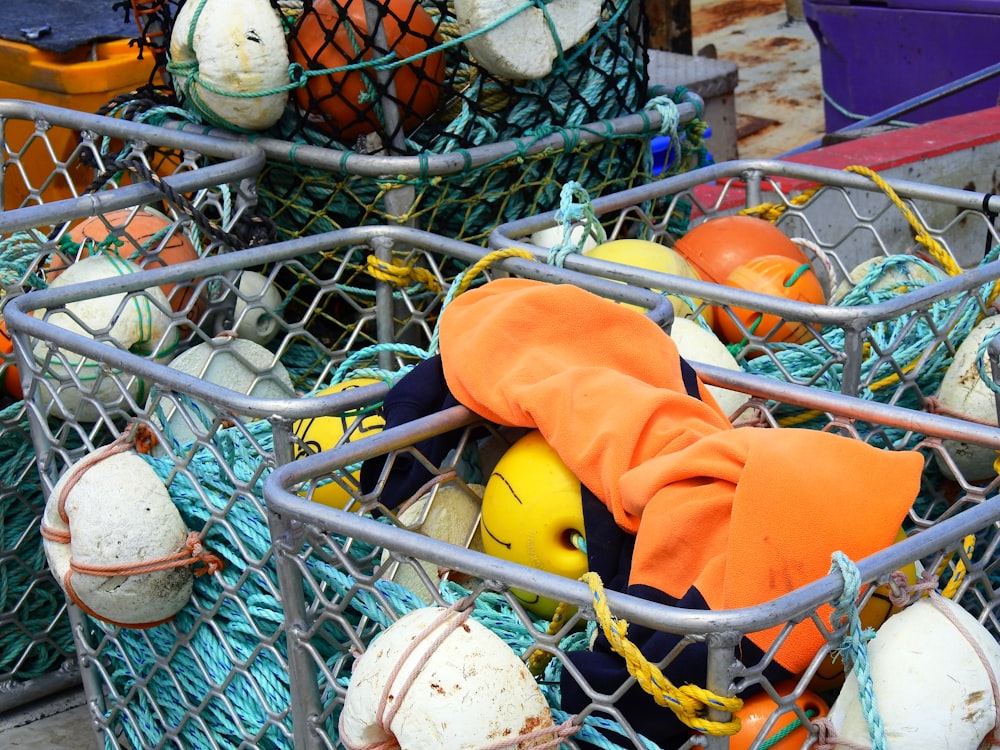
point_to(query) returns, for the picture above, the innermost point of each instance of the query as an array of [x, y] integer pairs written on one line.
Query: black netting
[[402, 78]]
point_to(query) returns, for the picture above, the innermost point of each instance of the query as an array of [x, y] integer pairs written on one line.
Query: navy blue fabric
[[71, 23], [419, 393], [423, 391]]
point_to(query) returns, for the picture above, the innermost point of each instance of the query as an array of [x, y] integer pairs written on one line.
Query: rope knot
[[401, 275], [198, 555]]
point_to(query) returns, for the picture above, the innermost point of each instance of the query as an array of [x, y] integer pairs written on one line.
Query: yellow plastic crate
[[84, 79]]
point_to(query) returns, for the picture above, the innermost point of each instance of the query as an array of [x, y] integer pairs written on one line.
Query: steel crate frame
[[74, 145], [241, 423], [331, 563], [398, 201], [850, 219]]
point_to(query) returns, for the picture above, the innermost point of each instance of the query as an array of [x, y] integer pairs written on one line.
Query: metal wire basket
[[216, 675], [885, 333], [347, 577], [60, 166]]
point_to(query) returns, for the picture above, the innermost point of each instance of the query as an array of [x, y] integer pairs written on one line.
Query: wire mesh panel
[[210, 400], [901, 271], [75, 184], [416, 112], [349, 577]]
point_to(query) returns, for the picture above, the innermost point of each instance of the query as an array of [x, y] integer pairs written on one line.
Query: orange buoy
[[332, 37], [11, 377], [775, 276], [718, 246], [788, 730], [136, 238]]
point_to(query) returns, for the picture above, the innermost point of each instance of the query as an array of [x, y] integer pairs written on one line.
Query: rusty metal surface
[[779, 101]]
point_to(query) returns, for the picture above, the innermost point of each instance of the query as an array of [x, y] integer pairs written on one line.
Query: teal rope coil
[[911, 337], [35, 635], [223, 659]]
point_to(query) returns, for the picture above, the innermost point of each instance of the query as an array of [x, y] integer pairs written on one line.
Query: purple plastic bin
[[875, 56]]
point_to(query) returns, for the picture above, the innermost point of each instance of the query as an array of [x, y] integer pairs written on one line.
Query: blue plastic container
[[876, 55]]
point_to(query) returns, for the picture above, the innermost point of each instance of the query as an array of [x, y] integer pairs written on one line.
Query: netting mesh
[[426, 79]]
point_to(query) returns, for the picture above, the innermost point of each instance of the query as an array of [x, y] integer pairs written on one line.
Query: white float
[[235, 48], [931, 688], [468, 692], [238, 365], [256, 310], [962, 390], [141, 325], [452, 517], [698, 344], [900, 273], [523, 47], [549, 238], [119, 514]]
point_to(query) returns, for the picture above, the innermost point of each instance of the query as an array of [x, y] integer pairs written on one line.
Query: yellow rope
[[958, 575], [485, 262], [688, 702], [771, 211], [934, 247], [540, 659], [401, 275]]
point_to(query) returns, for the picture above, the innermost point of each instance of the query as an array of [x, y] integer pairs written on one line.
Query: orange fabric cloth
[[742, 514]]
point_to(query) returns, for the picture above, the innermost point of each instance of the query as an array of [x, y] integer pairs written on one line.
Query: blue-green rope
[[224, 657], [854, 650]]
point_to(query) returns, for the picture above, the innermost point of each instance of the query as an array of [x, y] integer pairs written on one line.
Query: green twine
[[854, 649], [786, 730]]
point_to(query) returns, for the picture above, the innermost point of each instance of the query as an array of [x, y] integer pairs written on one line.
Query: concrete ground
[[778, 107], [59, 722], [779, 96]]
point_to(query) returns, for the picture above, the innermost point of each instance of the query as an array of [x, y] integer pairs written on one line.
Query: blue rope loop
[[575, 206], [854, 649]]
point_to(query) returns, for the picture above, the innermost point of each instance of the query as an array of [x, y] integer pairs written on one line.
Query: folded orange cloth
[[743, 515]]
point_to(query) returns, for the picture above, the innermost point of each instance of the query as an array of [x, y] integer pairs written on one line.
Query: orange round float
[[11, 377], [775, 276], [147, 228], [718, 246], [758, 708], [329, 36]]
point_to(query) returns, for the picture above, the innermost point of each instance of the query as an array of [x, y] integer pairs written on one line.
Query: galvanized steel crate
[[347, 577], [59, 167], [886, 338], [216, 675]]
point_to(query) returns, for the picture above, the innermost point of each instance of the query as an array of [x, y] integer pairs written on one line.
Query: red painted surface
[[894, 148]]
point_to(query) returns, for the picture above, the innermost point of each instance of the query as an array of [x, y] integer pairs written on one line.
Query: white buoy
[[523, 47], [141, 326], [549, 238], [698, 344], [256, 310], [931, 688], [963, 391], [225, 56], [469, 691], [452, 517], [118, 513], [238, 365], [901, 274]]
